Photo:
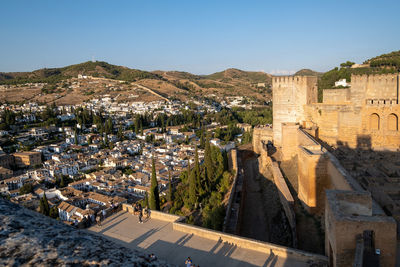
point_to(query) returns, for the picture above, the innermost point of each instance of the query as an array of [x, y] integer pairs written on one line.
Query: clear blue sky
[[196, 36]]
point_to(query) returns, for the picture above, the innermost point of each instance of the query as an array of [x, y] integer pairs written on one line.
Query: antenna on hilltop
[[93, 59]]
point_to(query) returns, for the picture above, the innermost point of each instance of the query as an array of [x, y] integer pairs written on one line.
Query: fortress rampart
[[364, 116], [290, 95]]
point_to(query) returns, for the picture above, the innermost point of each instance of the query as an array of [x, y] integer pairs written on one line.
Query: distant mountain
[[308, 72], [96, 69], [229, 82], [175, 84], [231, 74]]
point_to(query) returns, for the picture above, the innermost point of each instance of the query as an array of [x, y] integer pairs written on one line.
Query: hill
[[95, 69], [386, 63], [308, 72], [232, 74], [172, 84], [390, 60]]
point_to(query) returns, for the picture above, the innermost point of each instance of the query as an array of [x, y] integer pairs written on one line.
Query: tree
[[170, 195], [105, 140], [208, 163], [108, 126], [120, 133], [197, 170], [44, 205], [146, 200], [54, 212], [192, 188], [62, 182], [26, 189], [154, 194], [202, 142], [76, 137], [347, 64]]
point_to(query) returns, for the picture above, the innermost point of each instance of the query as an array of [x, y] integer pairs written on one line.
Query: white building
[[342, 82]]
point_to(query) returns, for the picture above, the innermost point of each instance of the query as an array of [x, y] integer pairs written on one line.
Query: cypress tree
[[208, 164], [120, 133], [62, 182], [154, 194], [192, 188], [202, 143], [137, 126], [197, 169], [44, 205], [188, 169], [54, 212], [146, 200], [76, 137], [170, 196]]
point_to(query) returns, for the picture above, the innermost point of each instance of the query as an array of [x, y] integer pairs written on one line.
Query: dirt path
[[254, 221]]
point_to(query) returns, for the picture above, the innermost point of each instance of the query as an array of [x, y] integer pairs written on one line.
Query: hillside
[[386, 63], [96, 69], [390, 60], [230, 82], [308, 72], [60, 86], [232, 74]]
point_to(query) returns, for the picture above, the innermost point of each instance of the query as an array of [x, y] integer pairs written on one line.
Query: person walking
[[104, 213], [140, 216], [98, 220], [148, 211], [188, 262]]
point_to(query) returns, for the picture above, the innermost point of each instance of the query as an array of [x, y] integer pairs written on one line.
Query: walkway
[[158, 237]]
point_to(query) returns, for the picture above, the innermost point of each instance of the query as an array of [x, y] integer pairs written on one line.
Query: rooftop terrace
[[160, 237]]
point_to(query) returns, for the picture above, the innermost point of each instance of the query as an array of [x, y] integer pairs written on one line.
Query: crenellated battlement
[[374, 78], [290, 80]]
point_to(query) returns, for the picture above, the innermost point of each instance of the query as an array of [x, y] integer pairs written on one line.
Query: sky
[[201, 37]]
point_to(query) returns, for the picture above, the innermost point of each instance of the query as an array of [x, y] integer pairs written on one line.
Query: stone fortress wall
[[290, 95], [364, 116]]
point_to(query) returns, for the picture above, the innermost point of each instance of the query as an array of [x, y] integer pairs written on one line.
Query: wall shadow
[[215, 253], [374, 170], [377, 171], [262, 216]]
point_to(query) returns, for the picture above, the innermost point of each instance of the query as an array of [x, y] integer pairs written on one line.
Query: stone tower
[[290, 94]]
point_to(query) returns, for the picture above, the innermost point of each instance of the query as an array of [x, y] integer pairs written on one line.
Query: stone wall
[[344, 222], [312, 177], [290, 95], [233, 166], [252, 244], [285, 198], [335, 96], [383, 87], [156, 214], [242, 242], [363, 116], [372, 126], [261, 136]]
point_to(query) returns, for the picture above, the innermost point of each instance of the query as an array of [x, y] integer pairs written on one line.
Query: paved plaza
[[158, 237]]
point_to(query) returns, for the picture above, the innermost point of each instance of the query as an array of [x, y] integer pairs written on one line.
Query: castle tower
[[290, 94]]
